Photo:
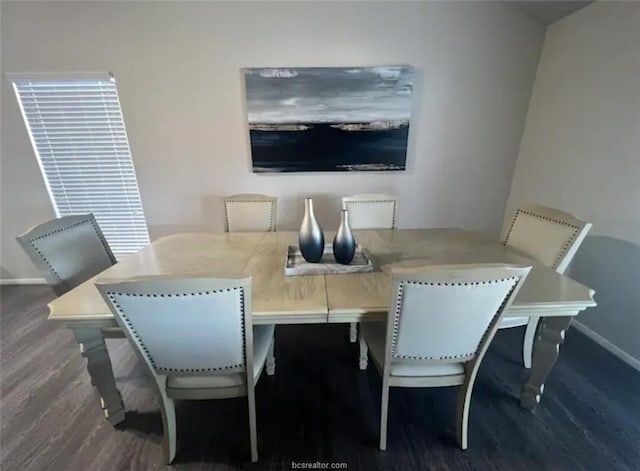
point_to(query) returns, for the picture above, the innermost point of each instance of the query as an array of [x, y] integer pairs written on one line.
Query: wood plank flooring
[[318, 407]]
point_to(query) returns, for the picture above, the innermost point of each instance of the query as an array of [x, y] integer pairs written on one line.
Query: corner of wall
[[513, 200]]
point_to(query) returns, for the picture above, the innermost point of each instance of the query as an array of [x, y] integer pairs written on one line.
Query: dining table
[[323, 298]]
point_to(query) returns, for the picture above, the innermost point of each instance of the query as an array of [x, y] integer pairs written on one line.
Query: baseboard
[[22, 281], [604, 343]]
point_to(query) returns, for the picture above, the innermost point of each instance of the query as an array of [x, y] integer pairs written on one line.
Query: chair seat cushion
[[375, 335], [508, 322], [262, 337]]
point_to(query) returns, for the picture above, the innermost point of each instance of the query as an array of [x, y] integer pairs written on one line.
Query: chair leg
[[364, 349], [464, 404], [353, 332], [384, 412], [529, 339], [253, 432], [169, 426], [271, 360]]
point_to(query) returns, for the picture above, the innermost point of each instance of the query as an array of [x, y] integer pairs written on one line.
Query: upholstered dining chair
[[68, 250], [550, 236], [369, 211], [440, 323], [196, 338], [250, 213]]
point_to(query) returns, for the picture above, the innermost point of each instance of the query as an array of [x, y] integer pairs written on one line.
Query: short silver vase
[[310, 237], [344, 244]]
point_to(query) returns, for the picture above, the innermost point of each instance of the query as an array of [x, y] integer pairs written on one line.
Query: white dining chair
[[369, 211], [250, 213], [196, 338], [440, 323], [551, 237], [67, 251]]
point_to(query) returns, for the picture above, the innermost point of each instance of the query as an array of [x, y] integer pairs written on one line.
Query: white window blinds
[[79, 138]]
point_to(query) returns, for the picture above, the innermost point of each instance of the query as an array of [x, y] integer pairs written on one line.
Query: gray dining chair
[[440, 323], [68, 250], [196, 338], [369, 211], [551, 237], [250, 212]]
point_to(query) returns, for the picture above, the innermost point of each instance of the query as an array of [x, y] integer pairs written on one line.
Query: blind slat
[[66, 132]]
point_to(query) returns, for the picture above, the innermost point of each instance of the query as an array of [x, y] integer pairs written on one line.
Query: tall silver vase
[[344, 244], [310, 237]]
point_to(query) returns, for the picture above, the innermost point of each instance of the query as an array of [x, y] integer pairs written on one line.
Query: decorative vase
[[344, 245], [310, 237]]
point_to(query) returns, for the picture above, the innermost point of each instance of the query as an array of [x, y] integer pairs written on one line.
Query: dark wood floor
[[318, 407]]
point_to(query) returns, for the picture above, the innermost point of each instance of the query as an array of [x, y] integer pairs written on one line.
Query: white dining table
[[318, 299]]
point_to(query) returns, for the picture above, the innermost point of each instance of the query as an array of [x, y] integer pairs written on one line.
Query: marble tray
[[295, 264]]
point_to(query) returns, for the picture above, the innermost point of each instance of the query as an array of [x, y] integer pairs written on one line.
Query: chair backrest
[[371, 211], [549, 235], [250, 213], [185, 326], [68, 250], [448, 314]]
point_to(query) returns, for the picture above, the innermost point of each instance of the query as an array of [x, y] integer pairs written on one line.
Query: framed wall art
[[311, 119]]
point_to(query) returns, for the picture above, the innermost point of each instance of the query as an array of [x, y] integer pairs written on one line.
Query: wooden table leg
[[545, 353], [94, 349]]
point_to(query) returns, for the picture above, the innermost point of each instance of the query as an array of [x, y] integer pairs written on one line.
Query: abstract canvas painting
[[329, 118]]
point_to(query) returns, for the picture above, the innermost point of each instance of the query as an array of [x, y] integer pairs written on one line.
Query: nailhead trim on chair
[[567, 244], [396, 320], [91, 221], [504, 301], [393, 221], [271, 205], [143, 347]]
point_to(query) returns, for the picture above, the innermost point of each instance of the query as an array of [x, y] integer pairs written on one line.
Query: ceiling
[[548, 11]]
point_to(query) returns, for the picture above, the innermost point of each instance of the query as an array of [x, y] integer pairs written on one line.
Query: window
[[78, 135]]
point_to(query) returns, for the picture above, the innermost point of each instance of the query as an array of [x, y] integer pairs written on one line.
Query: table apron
[[356, 315], [110, 328]]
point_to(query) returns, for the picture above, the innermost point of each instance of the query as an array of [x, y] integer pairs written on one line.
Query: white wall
[[580, 152], [178, 72]]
